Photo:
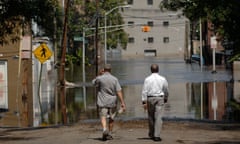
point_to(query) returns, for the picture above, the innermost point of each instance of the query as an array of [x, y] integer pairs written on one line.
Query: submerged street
[[52, 50], [191, 90]]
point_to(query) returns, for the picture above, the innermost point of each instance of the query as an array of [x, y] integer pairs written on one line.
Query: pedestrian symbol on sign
[[42, 53], [43, 50]]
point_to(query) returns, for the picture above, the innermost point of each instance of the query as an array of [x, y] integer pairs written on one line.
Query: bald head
[[107, 68], [154, 68]]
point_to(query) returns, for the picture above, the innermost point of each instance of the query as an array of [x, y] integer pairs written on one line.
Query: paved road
[[130, 132]]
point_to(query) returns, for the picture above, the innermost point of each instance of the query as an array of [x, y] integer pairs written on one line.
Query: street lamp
[[83, 63], [201, 45], [105, 29]]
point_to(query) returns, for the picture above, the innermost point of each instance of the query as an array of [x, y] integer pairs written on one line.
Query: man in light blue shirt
[[154, 95]]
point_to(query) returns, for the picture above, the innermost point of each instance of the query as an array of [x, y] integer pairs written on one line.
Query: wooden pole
[[96, 38], [62, 65], [97, 51]]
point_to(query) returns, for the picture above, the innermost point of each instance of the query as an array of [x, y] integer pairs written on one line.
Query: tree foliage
[[114, 18], [83, 16], [87, 15], [16, 15], [224, 15]]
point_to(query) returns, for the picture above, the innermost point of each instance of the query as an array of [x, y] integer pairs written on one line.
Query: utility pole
[[62, 65], [25, 67], [97, 58], [96, 45]]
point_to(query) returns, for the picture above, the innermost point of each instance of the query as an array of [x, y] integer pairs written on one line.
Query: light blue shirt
[[155, 85]]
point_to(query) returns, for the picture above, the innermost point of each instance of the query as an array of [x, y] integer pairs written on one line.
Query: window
[[165, 23], [150, 52], [130, 23], [130, 2], [150, 23], [150, 2], [131, 40], [150, 39], [166, 40]]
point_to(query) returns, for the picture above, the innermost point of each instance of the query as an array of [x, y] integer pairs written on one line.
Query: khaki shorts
[[108, 112]]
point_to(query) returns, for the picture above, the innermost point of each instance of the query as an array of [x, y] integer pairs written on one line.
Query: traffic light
[[146, 28]]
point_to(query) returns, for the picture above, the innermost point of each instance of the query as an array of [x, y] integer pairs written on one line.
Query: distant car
[[195, 58]]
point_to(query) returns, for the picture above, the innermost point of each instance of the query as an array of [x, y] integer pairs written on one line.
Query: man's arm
[[120, 96], [165, 90], [144, 95]]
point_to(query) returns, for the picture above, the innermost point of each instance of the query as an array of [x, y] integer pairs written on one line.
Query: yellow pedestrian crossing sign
[[42, 53]]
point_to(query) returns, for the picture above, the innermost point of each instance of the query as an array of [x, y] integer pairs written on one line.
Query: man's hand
[[145, 106], [165, 100], [123, 106]]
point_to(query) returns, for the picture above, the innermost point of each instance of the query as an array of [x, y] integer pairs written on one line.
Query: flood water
[[194, 92]]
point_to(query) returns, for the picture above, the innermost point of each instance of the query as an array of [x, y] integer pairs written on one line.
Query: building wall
[[141, 14], [236, 77], [19, 91], [7, 55], [143, 4]]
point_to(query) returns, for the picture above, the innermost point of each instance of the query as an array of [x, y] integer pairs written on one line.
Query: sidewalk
[[129, 132]]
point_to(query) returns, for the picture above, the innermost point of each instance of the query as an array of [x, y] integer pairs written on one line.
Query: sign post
[[214, 46], [42, 53]]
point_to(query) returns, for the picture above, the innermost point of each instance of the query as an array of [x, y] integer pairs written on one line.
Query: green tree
[[114, 18], [16, 15], [83, 15], [87, 16], [224, 15]]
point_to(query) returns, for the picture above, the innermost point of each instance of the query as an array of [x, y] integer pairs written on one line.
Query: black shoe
[[109, 137], [157, 139], [150, 135], [105, 134]]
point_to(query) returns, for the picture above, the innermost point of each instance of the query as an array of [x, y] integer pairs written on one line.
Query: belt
[[156, 96]]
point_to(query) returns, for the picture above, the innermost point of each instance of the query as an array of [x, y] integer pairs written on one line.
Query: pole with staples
[[62, 66], [83, 70]]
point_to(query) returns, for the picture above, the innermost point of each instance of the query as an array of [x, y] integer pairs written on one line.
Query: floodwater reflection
[[194, 94], [200, 101]]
